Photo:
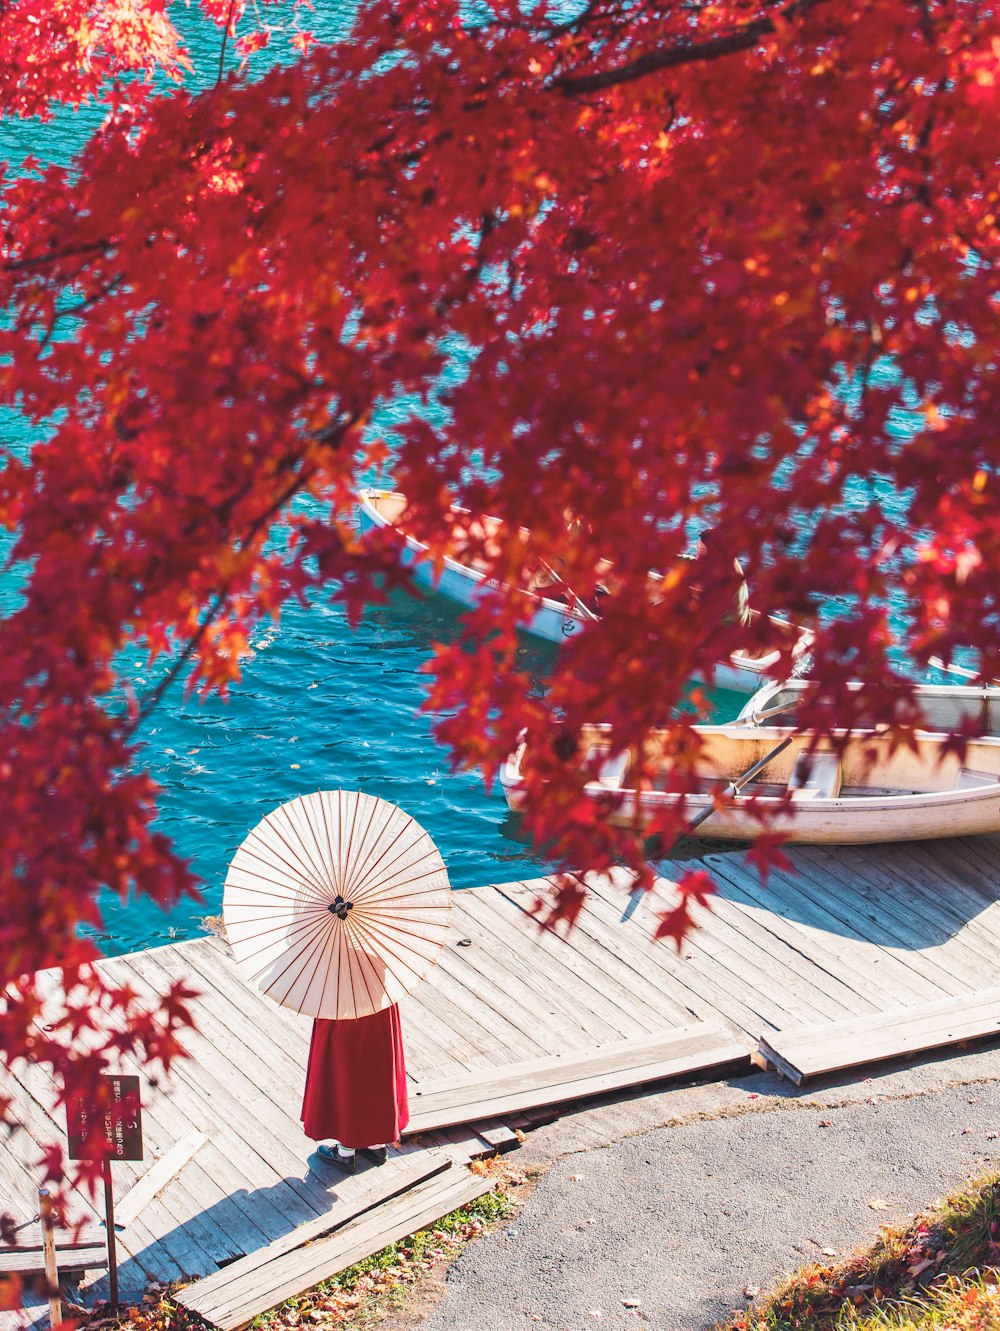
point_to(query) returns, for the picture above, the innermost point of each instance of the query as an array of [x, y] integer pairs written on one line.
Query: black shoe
[[331, 1156], [377, 1154]]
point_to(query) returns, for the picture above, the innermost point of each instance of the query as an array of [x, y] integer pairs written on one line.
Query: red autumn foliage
[[728, 265]]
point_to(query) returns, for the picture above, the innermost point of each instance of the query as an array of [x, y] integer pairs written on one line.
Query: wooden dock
[[855, 934]]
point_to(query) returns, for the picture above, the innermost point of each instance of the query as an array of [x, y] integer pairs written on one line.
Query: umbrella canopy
[[337, 904]]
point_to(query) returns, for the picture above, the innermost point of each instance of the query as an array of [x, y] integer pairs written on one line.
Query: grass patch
[[941, 1271]]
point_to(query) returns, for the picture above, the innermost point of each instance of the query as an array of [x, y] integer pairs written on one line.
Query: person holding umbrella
[[356, 1088], [337, 904]]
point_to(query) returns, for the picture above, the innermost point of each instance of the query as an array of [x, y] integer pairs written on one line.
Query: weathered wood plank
[[24, 1261], [875, 974], [556, 1079], [571, 985], [387, 1185], [744, 951], [803, 1053], [156, 1178], [299, 1270]]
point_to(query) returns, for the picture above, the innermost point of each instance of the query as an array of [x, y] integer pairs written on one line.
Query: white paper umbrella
[[337, 904]]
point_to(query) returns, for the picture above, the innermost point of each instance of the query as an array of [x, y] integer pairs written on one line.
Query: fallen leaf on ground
[[878, 1204]]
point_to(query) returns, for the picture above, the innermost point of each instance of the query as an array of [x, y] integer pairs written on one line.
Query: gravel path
[[667, 1227]]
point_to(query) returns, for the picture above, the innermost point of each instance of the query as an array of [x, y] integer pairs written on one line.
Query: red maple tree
[[660, 266]]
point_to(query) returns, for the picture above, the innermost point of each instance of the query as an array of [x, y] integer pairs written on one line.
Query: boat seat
[[816, 776], [612, 771], [968, 779]]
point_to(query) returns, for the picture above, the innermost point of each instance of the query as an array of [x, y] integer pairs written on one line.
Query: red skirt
[[356, 1080]]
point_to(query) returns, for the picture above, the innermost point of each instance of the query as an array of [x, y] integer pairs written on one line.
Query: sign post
[[108, 1130], [49, 1257]]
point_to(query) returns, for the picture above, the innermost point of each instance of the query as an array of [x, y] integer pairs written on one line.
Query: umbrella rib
[[378, 929], [375, 861], [354, 965], [385, 836], [292, 932], [246, 889], [350, 973], [406, 875], [289, 832], [362, 840], [345, 817], [400, 970], [330, 953], [347, 851], [310, 844], [340, 967], [276, 860], [324, 809], [388, 947], [361, 957], [305, 961], [426, 878]]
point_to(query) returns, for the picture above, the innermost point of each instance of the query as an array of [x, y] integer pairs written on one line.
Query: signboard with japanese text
[[117, 1123]]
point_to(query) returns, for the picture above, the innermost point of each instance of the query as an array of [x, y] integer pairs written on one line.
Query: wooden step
[[31, 1260], [802, 1052], [232, 1298], [573, 1076]]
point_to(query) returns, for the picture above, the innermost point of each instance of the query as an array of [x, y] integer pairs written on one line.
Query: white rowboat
[[945, 707], [553, 618], [860, 793]]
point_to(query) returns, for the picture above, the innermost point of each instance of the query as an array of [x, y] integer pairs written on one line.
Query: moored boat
[[862, 791], [944, 707], [553, 617]]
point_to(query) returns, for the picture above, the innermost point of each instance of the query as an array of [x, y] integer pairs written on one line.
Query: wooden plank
[[896, 881], [634, 961], [297, 1271], [500, 977], [556, 1079], [211, 1194], [500, 1136], [874, 889], [577, 991], [706, 969], [803, 1053], [156, 1178], [219, 1093], [868, 968], [940, 887], [143, 1248], [31, 1260], [387, 1185], [752, 953], [851, 917]]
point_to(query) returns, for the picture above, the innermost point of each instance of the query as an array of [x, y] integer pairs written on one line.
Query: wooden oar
[[577, 601], [734, 788]]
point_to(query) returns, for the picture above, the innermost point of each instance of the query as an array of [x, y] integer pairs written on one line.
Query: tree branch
[[710, 49], [151, 699]]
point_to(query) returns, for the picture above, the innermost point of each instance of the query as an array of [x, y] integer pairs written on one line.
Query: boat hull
[[880, 792], [841, 822], [552, 620]]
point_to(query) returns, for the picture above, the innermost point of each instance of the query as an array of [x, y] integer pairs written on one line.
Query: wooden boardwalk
[[854, 932]]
